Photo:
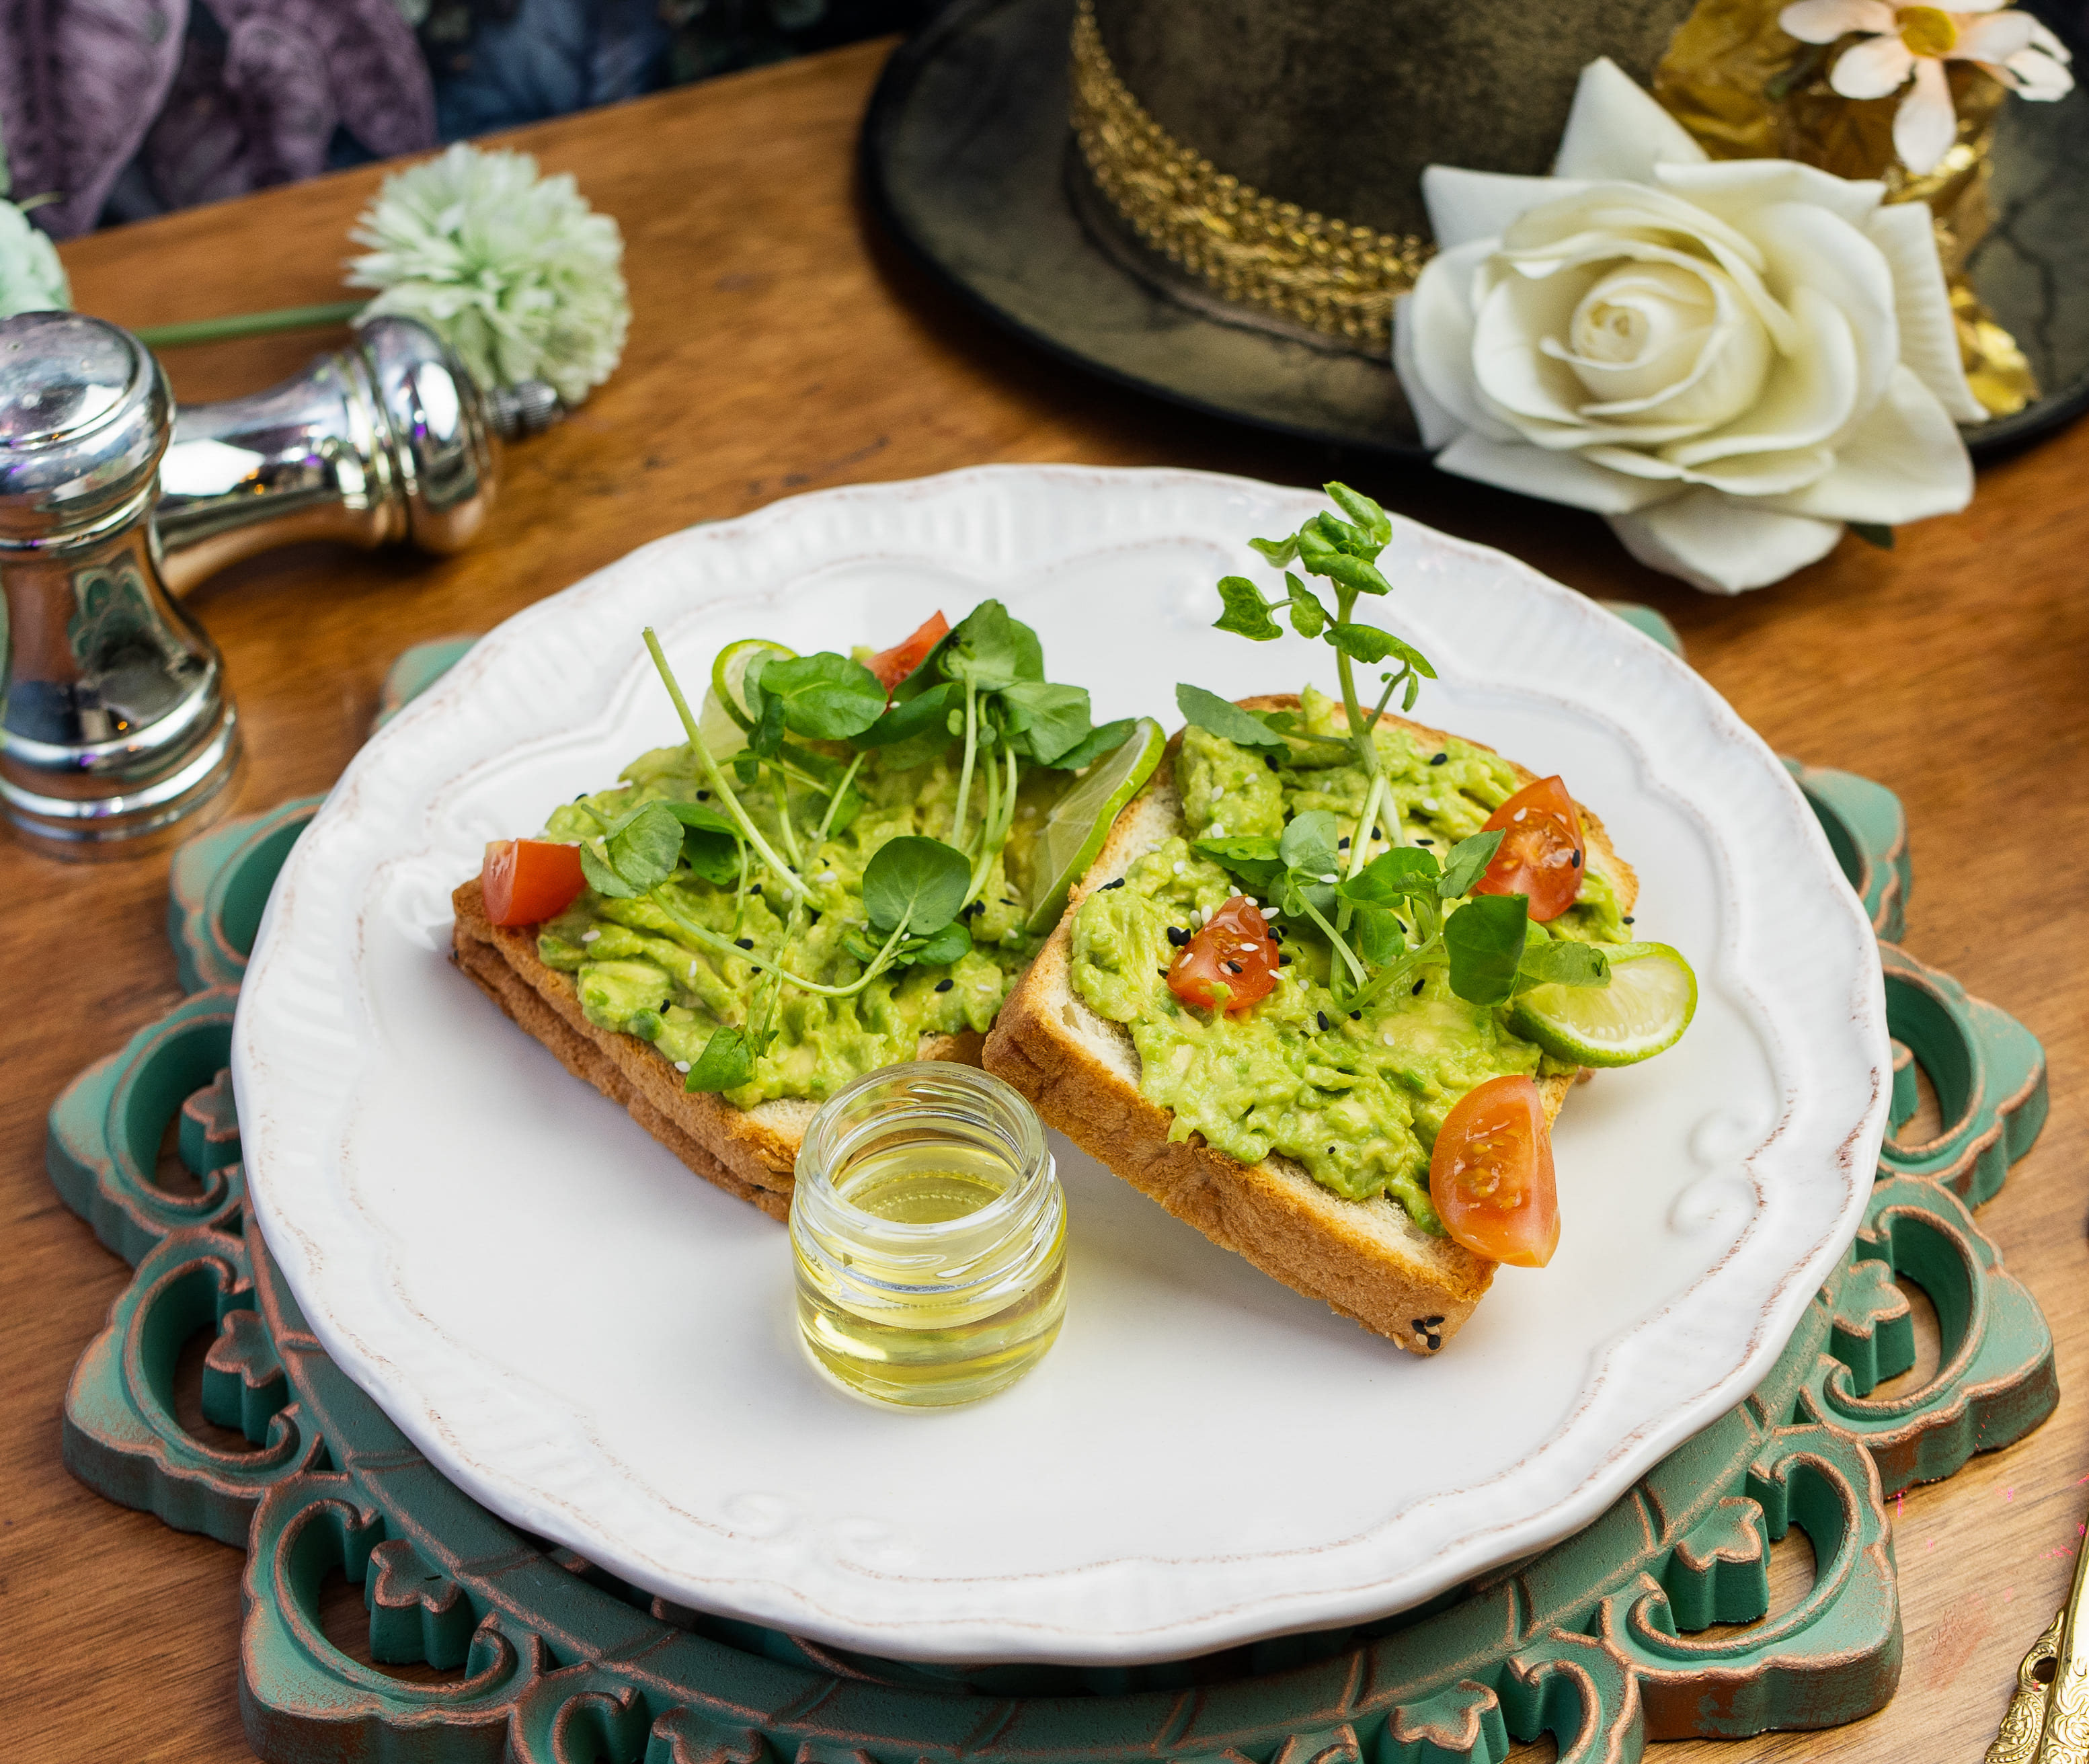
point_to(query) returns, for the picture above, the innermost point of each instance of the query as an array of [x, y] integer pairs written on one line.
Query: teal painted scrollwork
[[1604, 1642]]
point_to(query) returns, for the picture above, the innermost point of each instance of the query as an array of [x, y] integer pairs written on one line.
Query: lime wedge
[[1077, 823], [1649, 1002], [724, 721]]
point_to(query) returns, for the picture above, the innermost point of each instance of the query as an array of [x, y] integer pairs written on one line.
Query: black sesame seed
[[1435, 1342], [1628, 919], [742, 943], [1323, 1016], [1433, 1322], [1417, 989], [1107, 886], [974, 910], [1415, 1324], [1345, 845], [943, 985], [1355, 1016], [1425, 842], [1284, 962], [1162, 972], [1439, 758], [1177, 936], [703, 796], [1577, 860], [1269, 759], [1231, 967], [1331, 1151], [756, 889]]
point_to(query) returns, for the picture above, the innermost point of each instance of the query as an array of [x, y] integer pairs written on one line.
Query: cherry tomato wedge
[[1234, 951], [1542, 852], [526, 881], [892, 665], [1490, 1175]]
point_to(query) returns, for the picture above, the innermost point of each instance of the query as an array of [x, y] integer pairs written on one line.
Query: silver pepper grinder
[[114, 718]]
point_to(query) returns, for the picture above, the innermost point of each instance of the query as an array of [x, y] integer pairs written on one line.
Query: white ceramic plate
[[601, 1347]]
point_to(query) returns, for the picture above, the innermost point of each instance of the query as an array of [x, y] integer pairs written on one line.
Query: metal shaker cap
[[84, 415]]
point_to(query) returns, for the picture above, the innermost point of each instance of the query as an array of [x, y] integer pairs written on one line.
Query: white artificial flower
[[1727, 360], [1900, 41], [515, 271], [32, 279]]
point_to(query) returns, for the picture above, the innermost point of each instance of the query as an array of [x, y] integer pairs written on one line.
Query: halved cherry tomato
[[1490, 1175], [526, 881], [892, 665], [1233, 950], [1542, 852]]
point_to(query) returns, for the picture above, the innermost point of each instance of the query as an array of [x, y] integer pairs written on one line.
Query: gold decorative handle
[[2047, 1718]]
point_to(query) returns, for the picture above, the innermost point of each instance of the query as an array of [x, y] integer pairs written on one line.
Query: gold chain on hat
[[1339, 280]]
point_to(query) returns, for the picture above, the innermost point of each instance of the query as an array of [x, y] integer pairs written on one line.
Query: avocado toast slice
[[1369, 1258]]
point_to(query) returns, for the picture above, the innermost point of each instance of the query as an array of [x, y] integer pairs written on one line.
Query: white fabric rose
[[1727, 360], [32, 279]]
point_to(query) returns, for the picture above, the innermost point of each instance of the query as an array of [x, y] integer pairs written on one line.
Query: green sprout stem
[[965, 772], [723, 946], [835, 802], [723, 790]]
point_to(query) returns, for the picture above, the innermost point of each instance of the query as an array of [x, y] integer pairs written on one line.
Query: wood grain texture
[[778, 345]]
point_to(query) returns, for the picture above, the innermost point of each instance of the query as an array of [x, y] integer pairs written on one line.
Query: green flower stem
[[250, 324], [789, 877], [710, 939]]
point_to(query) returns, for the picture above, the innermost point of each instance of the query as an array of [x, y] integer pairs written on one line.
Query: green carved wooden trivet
[[1600, 1641]]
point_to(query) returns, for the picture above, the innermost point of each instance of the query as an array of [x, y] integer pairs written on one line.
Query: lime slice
[[1648, 1004], [724, 721], [1080, 822]]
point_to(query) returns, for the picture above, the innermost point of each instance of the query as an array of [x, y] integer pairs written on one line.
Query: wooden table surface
[[780, 345]]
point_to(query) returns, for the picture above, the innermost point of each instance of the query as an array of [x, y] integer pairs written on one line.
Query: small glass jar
[[929, 1232]]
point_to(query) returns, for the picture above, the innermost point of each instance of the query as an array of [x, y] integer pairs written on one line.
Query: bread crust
[[748, 1153], [1364, 1259]]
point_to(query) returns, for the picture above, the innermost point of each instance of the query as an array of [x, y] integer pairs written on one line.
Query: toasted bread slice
[[750, 1153], [1367, 1258]]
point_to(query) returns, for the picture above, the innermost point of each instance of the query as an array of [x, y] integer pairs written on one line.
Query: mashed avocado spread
[[637, 974], [1356, 1101]]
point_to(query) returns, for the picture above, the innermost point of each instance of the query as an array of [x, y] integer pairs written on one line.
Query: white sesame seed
[[1218, 791], [1328, 877], [1180, 866], [681, 1065], [589, 936], [1519, 813], [1218, 831]]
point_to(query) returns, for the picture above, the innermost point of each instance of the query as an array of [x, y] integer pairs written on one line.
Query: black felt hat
[[970, 160]]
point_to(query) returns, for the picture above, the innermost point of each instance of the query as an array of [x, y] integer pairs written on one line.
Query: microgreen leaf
[[1253, 859], [1562, 962], [644, 847], [1106, 738], [727, 1062], [1376, 525], [914, 732], [1368, 644], [826, 697], [1465, 863], [1485, 938], [1278, 551], [1221, 717], [710, 843], [943, 948], [992, 650], [1309, 617], [1376, 934], [1246, 615], [1050, 718], [1350, 572], [1398, 874], [1308, 844], [916, 881], [600, 877]]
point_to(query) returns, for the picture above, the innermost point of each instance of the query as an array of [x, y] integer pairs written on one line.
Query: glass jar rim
[[1002, 1110]]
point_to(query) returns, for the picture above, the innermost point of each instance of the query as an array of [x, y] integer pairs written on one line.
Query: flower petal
[[1928, 337], [1822, 21], [1617, 130], [1925, 126], [1722, 544], [1873, 68], [1436, 423], [1439, 314], [1809, 399], [1809, 247], [1994, 37], [1906, 461], [1556, 478], [1736, 189], [2036, 74], [1464, 205]]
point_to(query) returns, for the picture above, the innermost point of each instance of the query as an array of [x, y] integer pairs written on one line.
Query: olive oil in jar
[[929, 1234]]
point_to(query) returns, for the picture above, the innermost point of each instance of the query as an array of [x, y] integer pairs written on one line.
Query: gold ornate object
[[2023, 1721], [1337, 279], [2047, 1718], [1746, 89]]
